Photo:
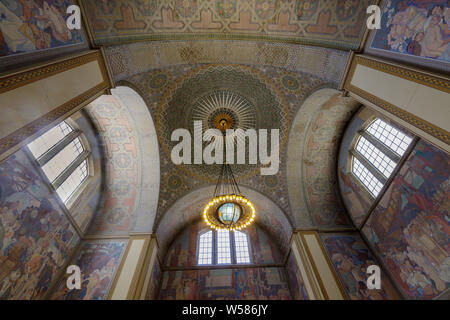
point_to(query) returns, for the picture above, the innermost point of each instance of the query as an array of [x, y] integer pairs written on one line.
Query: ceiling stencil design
[[332, 23], [173, 94]]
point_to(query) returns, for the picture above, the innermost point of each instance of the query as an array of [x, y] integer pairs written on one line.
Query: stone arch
[[311, 159], [131, 160], [187, 210]]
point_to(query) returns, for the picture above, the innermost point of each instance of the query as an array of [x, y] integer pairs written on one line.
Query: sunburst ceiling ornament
[[228, 209]]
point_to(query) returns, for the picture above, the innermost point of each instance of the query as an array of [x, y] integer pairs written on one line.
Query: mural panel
[[36, 238], [155, 281], [415, 28], [351, 257], [30, 26], [409, 228], [295, 280], [98, 262], [226, 284]]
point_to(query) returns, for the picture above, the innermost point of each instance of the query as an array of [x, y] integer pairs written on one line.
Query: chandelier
[[228, 209]]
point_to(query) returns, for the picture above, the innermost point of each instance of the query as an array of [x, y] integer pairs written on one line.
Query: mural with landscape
[[226, 284], [351, 257], [410, 226], [33, 25], [98, 262], [36, 238], [415, 27]]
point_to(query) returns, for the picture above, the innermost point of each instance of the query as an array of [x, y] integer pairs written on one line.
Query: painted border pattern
[[428, 80]]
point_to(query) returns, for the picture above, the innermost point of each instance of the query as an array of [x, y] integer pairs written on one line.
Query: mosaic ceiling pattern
[[167, 91], [333, 23], [130, 59]]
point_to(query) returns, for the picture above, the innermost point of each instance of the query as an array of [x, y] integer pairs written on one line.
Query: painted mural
[[415, 27], [98, 261], [36, 238], [301, 21], [183, 251], [225, 284], [351, 257], [33, 25], [409, 228], [295, 280], [155, 281]]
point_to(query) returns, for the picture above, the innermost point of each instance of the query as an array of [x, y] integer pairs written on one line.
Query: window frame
[[215, 248], [391, 154], [50, 153]]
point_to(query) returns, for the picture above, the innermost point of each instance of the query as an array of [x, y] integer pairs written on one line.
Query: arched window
[[63, 157], [377, 152], [223, 247]]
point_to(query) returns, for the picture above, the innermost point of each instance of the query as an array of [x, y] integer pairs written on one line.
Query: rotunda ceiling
[[241, 95]]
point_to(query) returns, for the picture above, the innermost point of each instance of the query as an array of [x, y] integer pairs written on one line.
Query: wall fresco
[[225, 284], [351, 257], [98, 262], [409, 228], [416, 28], [295, 280], [36, 237], [29, 26]]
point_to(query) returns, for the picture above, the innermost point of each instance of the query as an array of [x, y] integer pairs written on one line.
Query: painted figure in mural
[[34, 237], [410, 226], [351, 258], [416, 28], [30, 25]]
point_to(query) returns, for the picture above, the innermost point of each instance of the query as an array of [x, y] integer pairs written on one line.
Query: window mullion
[[369, 166], [233, 248], [70, 169], [391, 154], [53, 151]]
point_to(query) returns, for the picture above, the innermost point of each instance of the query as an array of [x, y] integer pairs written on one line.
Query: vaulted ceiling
[[332, 23], [181, 56]]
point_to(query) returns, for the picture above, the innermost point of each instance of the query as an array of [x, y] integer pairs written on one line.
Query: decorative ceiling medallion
[[241, 95]]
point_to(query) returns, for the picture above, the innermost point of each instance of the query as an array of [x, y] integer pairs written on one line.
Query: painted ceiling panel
[[332, 23]]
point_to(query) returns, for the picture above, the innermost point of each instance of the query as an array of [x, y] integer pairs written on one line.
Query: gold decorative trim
[[333, 270], [14, 81], [139, 266], [21, 134], [305, 262], [313, 263], [429, 80], [137, 270]]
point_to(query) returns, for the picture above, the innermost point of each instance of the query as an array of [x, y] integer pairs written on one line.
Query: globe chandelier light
[[228, 209]]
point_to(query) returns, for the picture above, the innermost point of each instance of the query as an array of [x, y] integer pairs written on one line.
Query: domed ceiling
[[242, 95], [268, 98]]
